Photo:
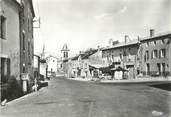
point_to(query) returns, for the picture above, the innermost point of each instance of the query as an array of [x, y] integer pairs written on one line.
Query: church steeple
[[65, 51]]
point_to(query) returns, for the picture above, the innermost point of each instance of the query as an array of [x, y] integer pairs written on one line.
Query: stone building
[[10, 39], [61, 63], [85, 64], [124, 55], [156, 54], [26, 38], [16, 40]]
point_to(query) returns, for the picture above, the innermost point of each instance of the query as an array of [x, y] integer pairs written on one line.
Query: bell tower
[[64, 52]]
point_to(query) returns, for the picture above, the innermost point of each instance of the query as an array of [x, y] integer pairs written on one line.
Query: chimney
[[151, 32], [126, 37], [138, 38]]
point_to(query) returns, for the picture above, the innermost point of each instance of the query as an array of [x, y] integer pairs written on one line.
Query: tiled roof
[[123, 44], [85, 54], [89, 53], [157, 36]]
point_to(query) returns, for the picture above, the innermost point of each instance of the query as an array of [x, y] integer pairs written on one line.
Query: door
[[159, 68], [147, 69]]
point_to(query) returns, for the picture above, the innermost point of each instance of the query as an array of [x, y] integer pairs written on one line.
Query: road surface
[[68, 98]]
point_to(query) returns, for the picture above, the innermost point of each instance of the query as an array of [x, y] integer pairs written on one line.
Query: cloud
[[102, 16], [123, 9]]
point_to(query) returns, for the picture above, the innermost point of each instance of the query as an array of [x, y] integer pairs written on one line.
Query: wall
[[153, 62], [96, 58], [170, 56], [113, 54], [10, 46], [52, 64], [27, 38]]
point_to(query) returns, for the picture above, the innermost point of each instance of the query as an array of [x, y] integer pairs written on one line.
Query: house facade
[[16, 56], [155, 54], [52, 65], [124, 55], [85, 64], [10, 39], [36, 66], [27, 39]]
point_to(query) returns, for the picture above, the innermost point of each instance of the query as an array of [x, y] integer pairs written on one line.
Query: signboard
[[25, 76]]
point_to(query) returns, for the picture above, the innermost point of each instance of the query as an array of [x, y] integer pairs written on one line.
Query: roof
[[31, 5], [52, 56], [123, 44], [157, 36], [85, 54], [65, 48], [75, 57], [89, 53]]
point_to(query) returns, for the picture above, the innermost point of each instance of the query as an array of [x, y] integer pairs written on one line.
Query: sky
[[83, 24]]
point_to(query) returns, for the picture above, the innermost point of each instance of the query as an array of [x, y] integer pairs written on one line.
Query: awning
[[118, 69], [96, 66]]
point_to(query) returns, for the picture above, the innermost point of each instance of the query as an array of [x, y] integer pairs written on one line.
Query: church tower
[[65, 51]]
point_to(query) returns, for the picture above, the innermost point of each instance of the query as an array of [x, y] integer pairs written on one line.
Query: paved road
[[67, 98]]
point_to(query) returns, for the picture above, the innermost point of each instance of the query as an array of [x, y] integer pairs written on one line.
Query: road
[[68, 98]]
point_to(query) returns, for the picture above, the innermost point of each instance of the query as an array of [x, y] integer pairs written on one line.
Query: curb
[[79, 80], [25, 96], [134, 82]]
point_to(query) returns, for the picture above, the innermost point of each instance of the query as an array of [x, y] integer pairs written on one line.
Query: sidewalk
[[25, 96], [80, 79], [139, 80]]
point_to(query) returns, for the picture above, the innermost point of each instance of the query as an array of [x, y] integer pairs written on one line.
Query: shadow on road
[[165, 86]]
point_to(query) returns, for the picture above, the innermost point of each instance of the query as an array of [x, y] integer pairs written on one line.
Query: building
[[9, 43], [123, 55], [43, 69], [85, 64], [156, 54], [52, 65], [27, 39], [36, 66], [61, 64], [16, 55], [65, 52]]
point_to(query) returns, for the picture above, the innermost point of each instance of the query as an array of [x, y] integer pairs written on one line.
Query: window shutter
[[156, 54]]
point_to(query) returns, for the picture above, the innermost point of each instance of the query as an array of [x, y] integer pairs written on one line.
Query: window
[[147, 44], [28, 23], [154, 42], [120, 56], [162, 53], [124, 53], [29, 49], [23, 41], [162, 41], [147, 55], [154, 54], [66, 54], [3, 27]]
